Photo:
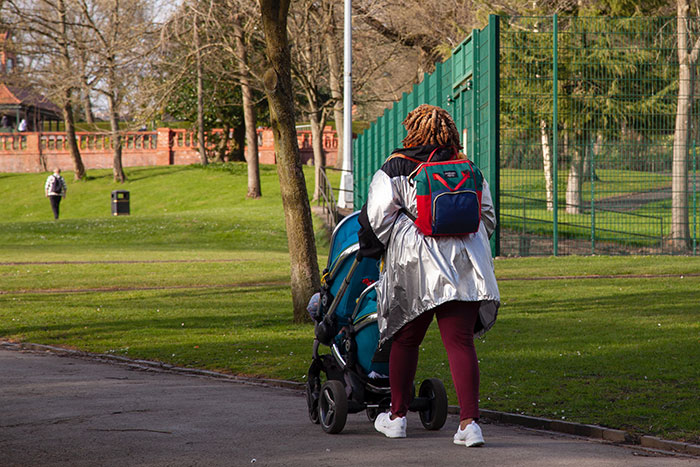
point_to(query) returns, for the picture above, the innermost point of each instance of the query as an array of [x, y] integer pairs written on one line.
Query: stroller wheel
[[333, 407], [312, 402], [435, 415], [372, 413]]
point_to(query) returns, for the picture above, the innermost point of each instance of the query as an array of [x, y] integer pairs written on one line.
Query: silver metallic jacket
[[422, 272]]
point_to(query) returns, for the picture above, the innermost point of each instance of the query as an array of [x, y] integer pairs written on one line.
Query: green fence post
[[555, 138], [438, 84], [495, 126], [695, 198], [592, 168], [384, 130], [475, 97], [523, 236]]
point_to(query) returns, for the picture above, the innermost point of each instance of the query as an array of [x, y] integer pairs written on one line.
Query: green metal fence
[[599, 96], [583, 148], [466, 85]]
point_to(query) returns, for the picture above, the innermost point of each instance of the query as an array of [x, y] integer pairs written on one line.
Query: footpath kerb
[[570, 428]]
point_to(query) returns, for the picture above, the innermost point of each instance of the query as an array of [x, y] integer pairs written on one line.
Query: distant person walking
[[55, 189], [22, 125]]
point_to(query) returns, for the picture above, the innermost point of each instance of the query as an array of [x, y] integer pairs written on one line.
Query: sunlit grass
[[644, 223], [205, 285]]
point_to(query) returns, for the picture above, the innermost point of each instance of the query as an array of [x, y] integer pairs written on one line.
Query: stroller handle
[[342, 289], [325, 330]]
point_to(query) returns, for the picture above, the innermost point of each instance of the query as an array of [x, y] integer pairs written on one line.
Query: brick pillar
[[31, 154], [164, 150]]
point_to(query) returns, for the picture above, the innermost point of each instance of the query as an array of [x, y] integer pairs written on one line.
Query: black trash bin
[[120, 203]]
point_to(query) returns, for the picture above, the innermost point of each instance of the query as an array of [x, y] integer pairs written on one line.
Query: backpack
[[56, 185], [448, 196]]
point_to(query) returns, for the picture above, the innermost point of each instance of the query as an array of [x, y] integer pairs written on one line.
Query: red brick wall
[[39, 152], [35, 152], [266, 146]]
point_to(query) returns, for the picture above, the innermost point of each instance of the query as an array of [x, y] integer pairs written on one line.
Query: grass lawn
[[198, 276], [642, 223]]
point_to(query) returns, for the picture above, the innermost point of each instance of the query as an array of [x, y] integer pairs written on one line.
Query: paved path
[[67, 411]]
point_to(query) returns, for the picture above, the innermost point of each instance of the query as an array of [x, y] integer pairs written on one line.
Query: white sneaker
[[471, 436], [395, 428]]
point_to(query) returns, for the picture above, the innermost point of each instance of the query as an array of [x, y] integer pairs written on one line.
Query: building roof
[[7, 96], [11, 96]]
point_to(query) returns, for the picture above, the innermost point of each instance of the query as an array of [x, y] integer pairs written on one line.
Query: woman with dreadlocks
[[447, 277]]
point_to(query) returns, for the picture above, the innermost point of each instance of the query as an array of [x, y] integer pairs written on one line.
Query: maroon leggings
[[456, 322]]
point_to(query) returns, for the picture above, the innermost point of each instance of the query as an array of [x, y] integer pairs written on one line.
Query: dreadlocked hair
[[428, 124]]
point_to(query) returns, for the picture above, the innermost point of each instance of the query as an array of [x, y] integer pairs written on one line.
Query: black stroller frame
[[347, 388]]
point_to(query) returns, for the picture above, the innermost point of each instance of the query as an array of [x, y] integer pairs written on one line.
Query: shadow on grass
[[143, 233], [7, 176], [241, 332], [591, 358], [134, 174], [244, 307]]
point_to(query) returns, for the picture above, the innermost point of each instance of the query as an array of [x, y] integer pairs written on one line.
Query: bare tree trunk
[[223, 144], [596, 150], [305, 279], [85, 100], [318, 120], [547, 163], [78, 166], [117, 168], [81, 56], [574, 183], [680, 230], [87, 105], [564, 147], [249, 115], [200, 94]]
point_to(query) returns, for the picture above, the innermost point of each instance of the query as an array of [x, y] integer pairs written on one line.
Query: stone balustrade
[[39, 152]]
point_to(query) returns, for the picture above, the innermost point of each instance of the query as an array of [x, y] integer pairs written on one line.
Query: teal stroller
[[356, 372]]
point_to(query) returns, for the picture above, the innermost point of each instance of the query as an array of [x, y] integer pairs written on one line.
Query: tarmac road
[[66, 411]]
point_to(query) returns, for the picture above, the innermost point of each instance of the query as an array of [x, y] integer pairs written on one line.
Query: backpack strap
[[408, 214], [403, 210], [402, 156], [433, 153], [465, 177], [419, 162]]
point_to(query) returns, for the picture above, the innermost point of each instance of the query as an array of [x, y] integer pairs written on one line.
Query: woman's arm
[[378, 215], [488, 213]]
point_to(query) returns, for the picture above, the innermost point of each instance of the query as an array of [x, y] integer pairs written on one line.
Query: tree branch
[[427, 44]]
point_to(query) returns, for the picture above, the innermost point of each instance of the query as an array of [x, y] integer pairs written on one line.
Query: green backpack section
[[448, 196]]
